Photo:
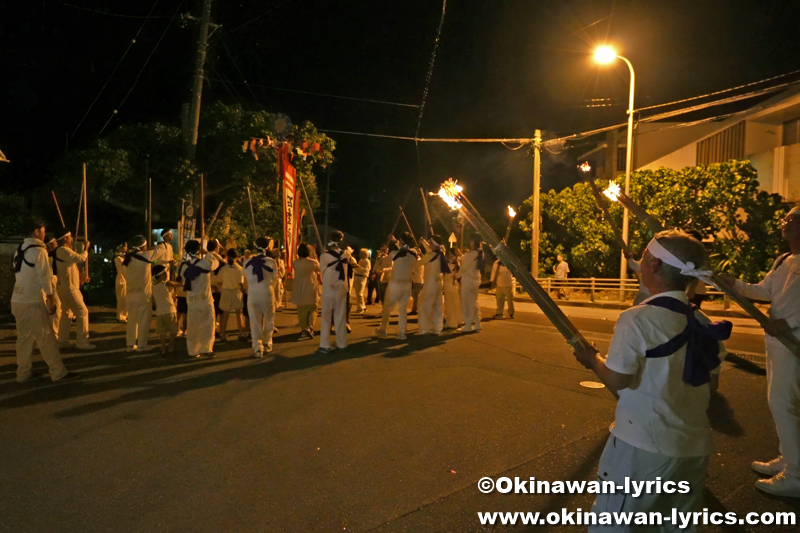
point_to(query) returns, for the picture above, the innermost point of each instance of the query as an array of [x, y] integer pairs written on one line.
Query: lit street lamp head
[[605, 54]]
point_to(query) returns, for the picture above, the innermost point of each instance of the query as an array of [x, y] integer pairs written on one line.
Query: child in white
[[334, 264], [430, 299], [504, 284], [360, 275], [259, 272], [471, 273], [196, 272], [398, 292], [166, 312], [230, 301]]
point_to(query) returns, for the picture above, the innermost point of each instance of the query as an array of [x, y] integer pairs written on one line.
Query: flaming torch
[[511, 215], [787, 339], [452, 194], [585, 168]]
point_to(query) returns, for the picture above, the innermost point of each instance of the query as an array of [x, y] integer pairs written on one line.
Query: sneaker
[[465, 329], [69, 376], [324, 350], [258, 355], [780, 485], [131, 348], [85, 346], [209, 355], [497, 316], [310, 332], [770, 468], [146, 348], [381, 333], [401, 336], [511, 316]]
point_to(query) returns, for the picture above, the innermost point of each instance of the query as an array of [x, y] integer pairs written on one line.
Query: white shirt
[[384, 263], [432, 268], [201, 285], [469, 267], [502, 275], [363, 268], [66, 266], [167, 254], [782, 287], [231, 276], [330, 275], [659, 412], [401, 268], [138, 276], [33, 281], [416, 272], [119, 268], [562, 269], [253, 284], [165, 303]]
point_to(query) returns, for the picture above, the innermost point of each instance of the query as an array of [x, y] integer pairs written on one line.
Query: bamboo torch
[[85, 222], [427, 213], [511, 215], [452, 194], [787, 339], [80, 210], [60, 216], [202, 211], [407, 223], [252, 213]]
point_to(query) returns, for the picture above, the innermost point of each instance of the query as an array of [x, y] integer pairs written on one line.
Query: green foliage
[[721, 201], [117, 165], [11, 206]]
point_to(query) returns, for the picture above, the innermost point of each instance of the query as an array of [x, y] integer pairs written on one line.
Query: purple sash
[[191, 273], [701, 340], [339, 263], [259, 264], [445, 268]]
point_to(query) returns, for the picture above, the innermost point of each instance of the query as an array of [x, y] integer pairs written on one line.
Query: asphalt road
[[386, 435]]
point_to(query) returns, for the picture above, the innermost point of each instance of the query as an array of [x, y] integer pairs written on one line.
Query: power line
[[103, 88], [262, 15], [240, 71], [81, 8], [135, 81]]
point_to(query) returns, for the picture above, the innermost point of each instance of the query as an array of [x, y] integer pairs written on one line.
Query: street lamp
[[605, 55]]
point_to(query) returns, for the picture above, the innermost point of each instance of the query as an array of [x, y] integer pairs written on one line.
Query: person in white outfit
[[471, 273], [120, 286], [782, 287], [398, 292], [259, 272], [66, 261], [452, 291], [166, 312], [663, 362], [360, 276], [505, 286], [166, 257], [31, 302], [51, 243], [196, 274], [434, 264], [137, 265], [230, 301], [334, 265]]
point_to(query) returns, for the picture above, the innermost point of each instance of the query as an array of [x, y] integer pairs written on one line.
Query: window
[[723, 146], [791, 132]]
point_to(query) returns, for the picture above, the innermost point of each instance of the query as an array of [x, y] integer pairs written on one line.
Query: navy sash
[[404, 251], [481, 259], [259, 264], [445, 268], [133, 255], [702, 340], [19, 257], [191, 273], [56, 260], [339, 263]]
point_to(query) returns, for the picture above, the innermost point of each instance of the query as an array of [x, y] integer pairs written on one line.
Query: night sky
[[503, 68]]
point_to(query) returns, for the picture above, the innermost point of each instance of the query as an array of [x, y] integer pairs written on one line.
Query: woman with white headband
[[662, 362], [434, 263]]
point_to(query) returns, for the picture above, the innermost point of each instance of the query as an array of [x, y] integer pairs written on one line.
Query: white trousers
[[503, 295], [55, 317], [278, 292], [359, 288], [72, 300], [430, 308], [452, 303], [783, 395], [398, 293], [200, 324], [261, 309], [33, 327], [334, 304], [122, 306], [470, 310], [621, 460], [140, 313]]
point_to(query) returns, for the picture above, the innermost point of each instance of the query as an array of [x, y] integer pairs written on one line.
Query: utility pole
[[193, 122], [327, 201], [537, 185]]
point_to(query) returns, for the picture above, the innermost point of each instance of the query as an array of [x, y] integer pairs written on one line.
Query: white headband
[[687, 269], [331, 244]]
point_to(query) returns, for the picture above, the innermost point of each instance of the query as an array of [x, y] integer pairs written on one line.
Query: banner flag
[[291, 203]]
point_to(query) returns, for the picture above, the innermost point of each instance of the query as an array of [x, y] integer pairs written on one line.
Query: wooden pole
[[407, 223], [202, 210], [60, 216], [252, 213], [149, 212], [311, 211], [214, 218], [80, 209], [427, 213], [85, 221]]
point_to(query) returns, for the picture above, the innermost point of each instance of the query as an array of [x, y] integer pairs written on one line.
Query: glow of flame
[[449, 191], [612, 192], [585, 167], [511, 212]]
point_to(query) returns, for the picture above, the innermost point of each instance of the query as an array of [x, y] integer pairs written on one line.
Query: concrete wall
[[764, 163], [683, 157], [759, 137]]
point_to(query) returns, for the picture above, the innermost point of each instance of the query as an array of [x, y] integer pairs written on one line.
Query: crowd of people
[[663, 362]]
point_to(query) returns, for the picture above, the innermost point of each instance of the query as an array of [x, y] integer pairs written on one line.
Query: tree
[[720, 201], [116, 167]]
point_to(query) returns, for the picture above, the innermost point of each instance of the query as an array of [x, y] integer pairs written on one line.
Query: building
[[768, 134]]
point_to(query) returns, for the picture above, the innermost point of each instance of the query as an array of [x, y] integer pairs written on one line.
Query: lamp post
[[606, 54]]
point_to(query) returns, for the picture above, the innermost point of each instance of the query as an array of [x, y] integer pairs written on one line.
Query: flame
[[449, 192], [511, 212], [585, 167], [612, 192]]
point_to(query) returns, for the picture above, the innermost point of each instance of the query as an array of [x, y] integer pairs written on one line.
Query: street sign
[[452, 239]]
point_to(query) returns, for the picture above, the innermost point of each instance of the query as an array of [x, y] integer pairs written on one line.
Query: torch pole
[[601, 204], [427, 213], [252, 213], [508, 230], [407, 223], [539, 295], [202, 210], [60, 216], [85, 222], [787, 339], [80, 211]]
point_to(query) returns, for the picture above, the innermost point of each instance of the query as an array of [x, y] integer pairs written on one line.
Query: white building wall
[[759, 137], [683, 157]]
